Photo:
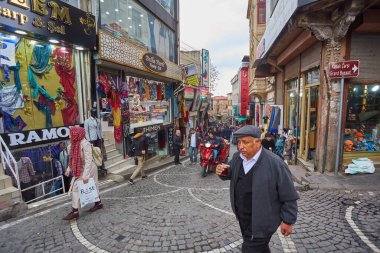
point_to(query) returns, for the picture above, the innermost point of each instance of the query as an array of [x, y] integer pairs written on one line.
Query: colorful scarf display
[[11, 99], [75, 160], [13, 125], [63, 56]]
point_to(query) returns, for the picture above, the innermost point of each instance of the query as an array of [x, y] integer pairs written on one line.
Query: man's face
[[211, 135], [178, 132], [268, 138], [193, 131], [248, 146]]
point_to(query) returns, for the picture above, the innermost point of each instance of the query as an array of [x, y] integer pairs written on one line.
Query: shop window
[[261, 12], [362, 131], [38, 85], [168, 5], [132, 22], [291, 104], [313, 76]]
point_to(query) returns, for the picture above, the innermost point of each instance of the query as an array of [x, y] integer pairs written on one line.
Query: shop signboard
[[191, 74], [49, 19], [150, 128], [154, 63], [244, 92], [170, 138], [205, 68], [188, 93], [36, 137], [344, 69]]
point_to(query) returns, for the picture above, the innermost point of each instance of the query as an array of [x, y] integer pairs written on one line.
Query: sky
[[221, 27]]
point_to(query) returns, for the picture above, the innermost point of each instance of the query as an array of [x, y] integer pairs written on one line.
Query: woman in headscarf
[[83, 168]]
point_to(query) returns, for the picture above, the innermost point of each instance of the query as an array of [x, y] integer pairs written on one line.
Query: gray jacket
[[274, 198]]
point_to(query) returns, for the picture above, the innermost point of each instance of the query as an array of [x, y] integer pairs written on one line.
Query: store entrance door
[[309, 122]]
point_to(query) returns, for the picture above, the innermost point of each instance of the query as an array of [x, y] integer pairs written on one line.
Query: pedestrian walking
[[94, 133], [140, 145], [82, 166], [177, 145], [194, 140], [262, 193]]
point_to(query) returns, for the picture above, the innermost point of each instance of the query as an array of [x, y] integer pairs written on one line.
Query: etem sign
[[344, 69]]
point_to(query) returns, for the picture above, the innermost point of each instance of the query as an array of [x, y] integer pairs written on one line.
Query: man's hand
[[67, 173], [85, 180], [286, 229], [219, 169]]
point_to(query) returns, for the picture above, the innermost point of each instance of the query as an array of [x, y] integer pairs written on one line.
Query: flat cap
[[248, 130]]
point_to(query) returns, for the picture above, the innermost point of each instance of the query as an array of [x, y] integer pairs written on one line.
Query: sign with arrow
[[344, 69]]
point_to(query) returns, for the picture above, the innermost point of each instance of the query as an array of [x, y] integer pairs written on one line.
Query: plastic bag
[[87, 192], [360, 165]]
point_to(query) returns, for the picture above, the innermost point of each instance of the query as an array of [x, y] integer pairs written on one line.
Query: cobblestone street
[[175, 210]]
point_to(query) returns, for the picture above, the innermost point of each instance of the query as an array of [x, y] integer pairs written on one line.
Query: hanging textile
[[16, 75], [147, 91], [13, 124], [40, 60], [175, 107], [277, 119], [271, 119], [65, 71], [169, 91], [36, 87], [45, 105], [11, 99], [114, 101], [153, 90], [70, 114], [159, 91]]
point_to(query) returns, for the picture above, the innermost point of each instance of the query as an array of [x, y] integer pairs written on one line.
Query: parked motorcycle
[[207, 156]]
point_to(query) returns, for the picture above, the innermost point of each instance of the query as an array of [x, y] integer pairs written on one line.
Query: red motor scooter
[[207, 156]]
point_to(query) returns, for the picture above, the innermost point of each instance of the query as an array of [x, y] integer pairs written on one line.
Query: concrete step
[[122, 174], [112, 153], [110, 146], [113, 159], [7, 194], [5, 182], [109, 141], [120, 164]]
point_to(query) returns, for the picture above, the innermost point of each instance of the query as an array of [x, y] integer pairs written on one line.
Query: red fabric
[[118, 134], [159, 92], [63, 68], [75, 160], [70, 114]]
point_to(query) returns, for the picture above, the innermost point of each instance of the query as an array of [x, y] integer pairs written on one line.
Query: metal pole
[[337, 157]]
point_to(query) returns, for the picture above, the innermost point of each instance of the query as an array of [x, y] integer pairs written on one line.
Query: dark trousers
[[28, 194], [256, 245], [176, 156]]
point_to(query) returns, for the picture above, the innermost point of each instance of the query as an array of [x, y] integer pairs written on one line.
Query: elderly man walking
[[262, 193]]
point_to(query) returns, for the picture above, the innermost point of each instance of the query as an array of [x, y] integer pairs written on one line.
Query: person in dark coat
[[262, 193], [177, 145], [268, 143]]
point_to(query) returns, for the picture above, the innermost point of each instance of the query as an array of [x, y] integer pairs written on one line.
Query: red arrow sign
[[344, 69]]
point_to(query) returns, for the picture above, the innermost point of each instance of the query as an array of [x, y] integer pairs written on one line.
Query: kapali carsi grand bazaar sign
[[37, 137], [49, 18]]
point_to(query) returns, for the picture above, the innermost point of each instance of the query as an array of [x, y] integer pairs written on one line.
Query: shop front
[[361, 120], [45, 50], [136, 88]]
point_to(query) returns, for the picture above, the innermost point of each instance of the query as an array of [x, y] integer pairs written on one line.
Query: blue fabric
[[16, 70], [45, 109], [13, 124], [175, 107], [215, 154], [36, 87], [151, 31], [56, 185], [193, 153], [40, 60], [272, 119], [170, 91]]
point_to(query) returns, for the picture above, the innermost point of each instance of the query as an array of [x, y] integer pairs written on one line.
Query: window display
[[131, 21], [362, 131], [291, 103], [38, 85]]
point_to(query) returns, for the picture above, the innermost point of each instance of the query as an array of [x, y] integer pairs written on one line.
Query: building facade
[[45, 59], [219, 107], [261, 89], [335, 120], [137, 70]]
